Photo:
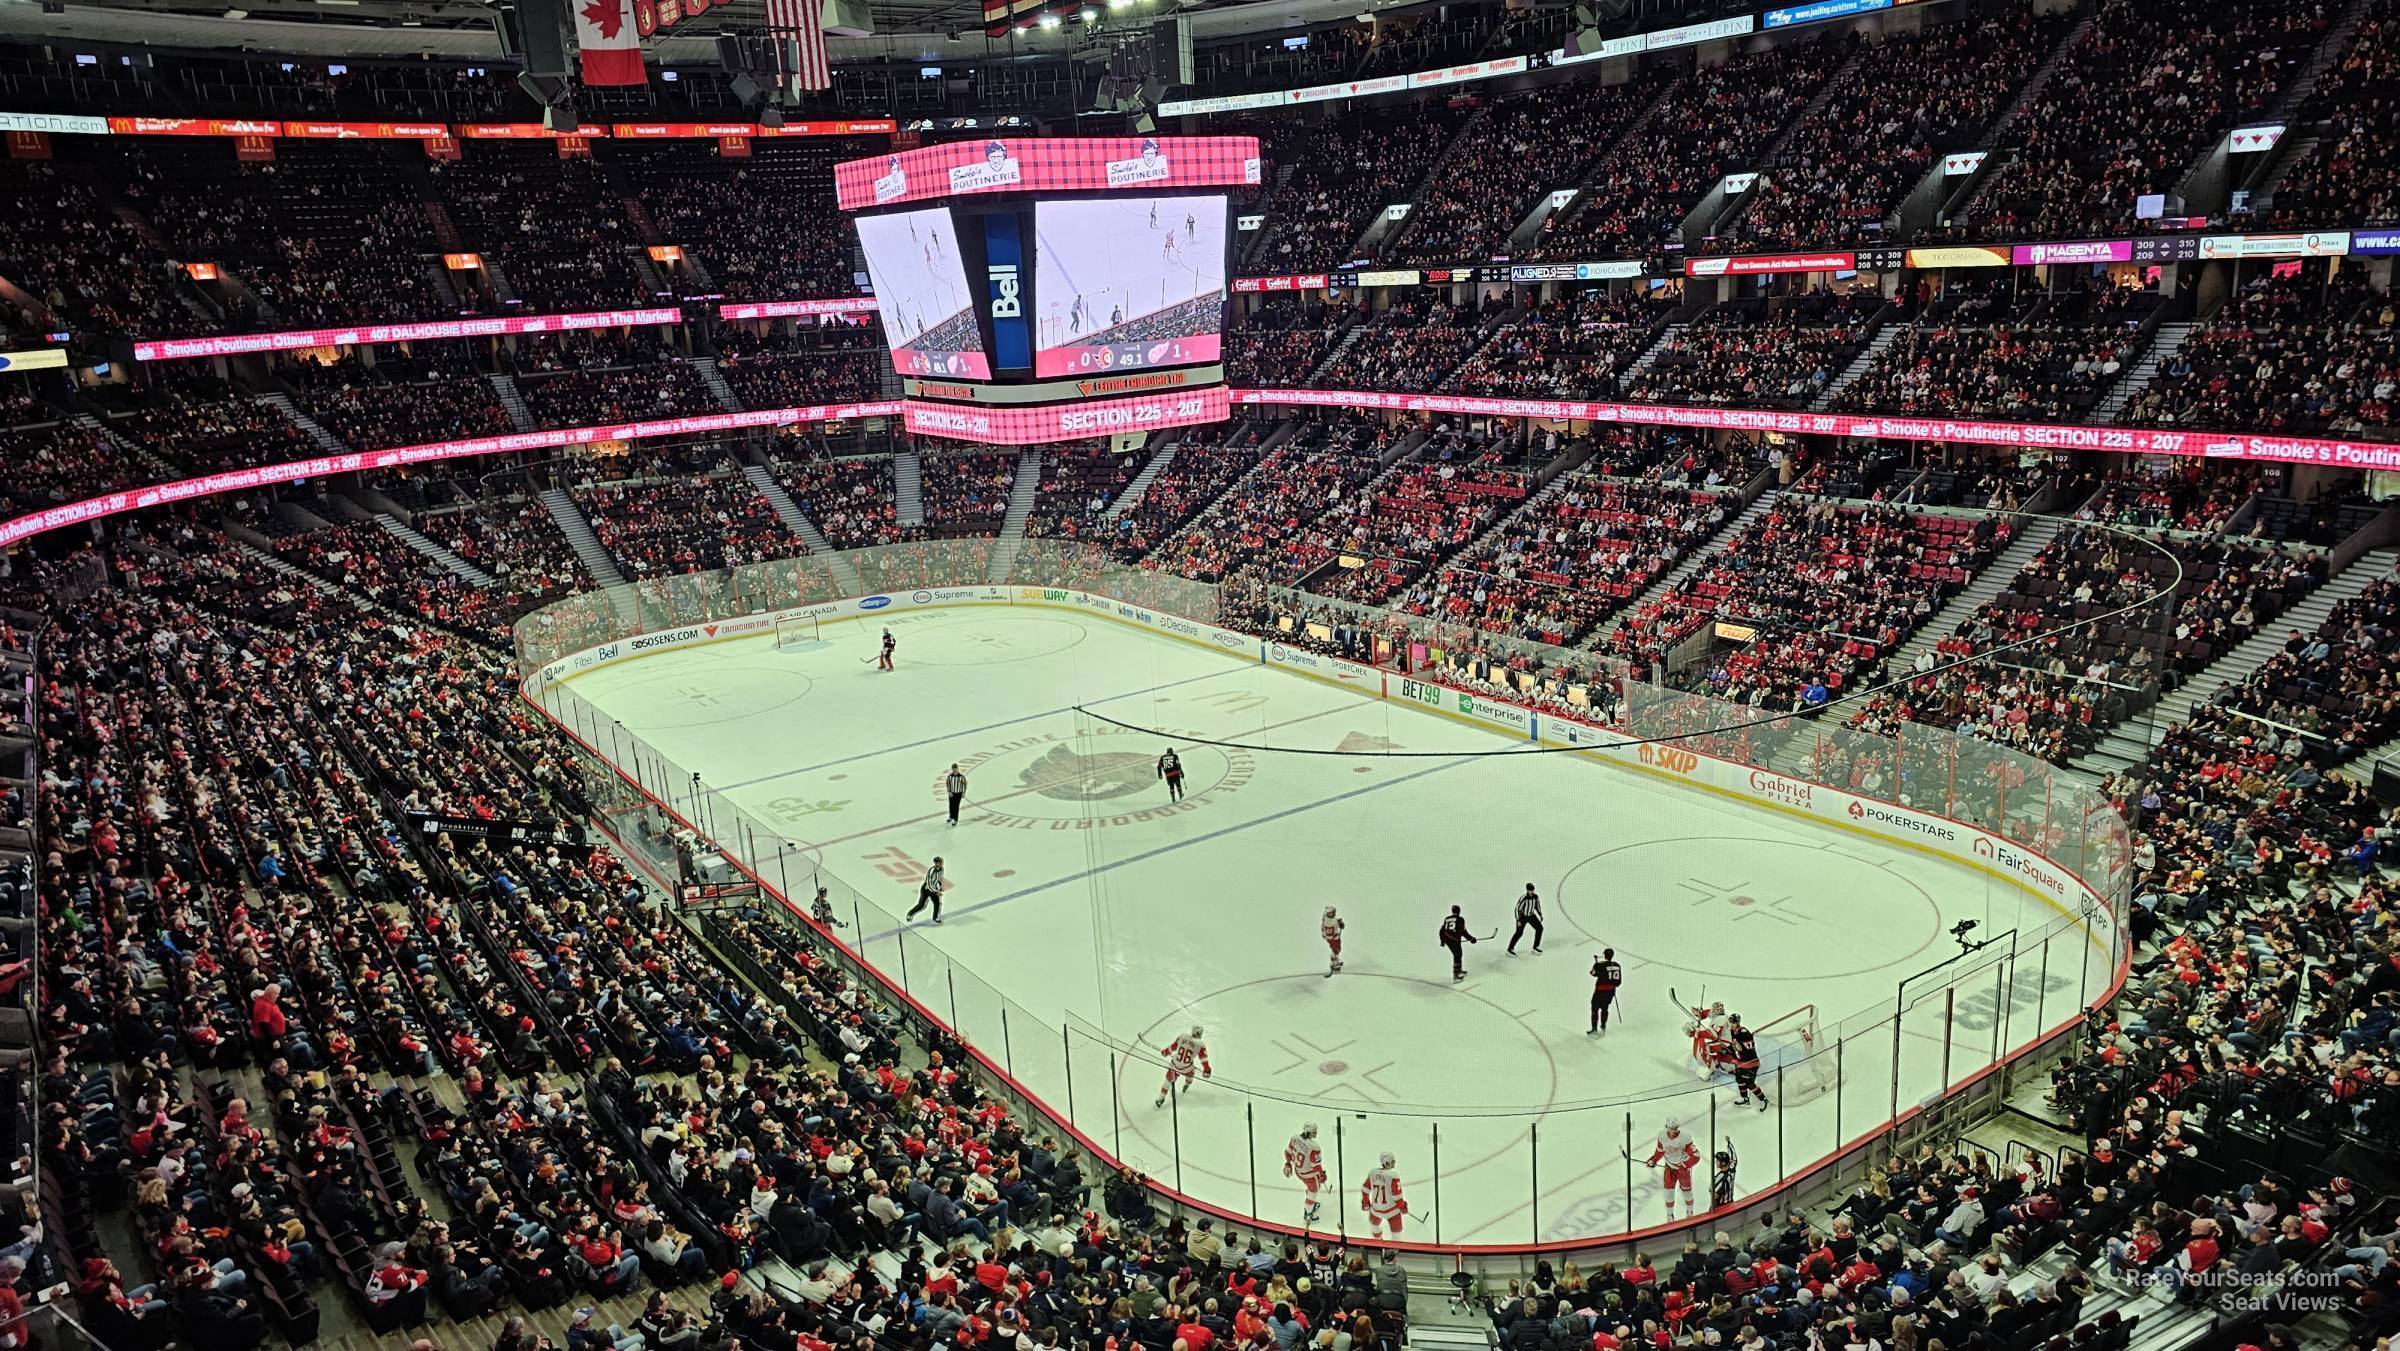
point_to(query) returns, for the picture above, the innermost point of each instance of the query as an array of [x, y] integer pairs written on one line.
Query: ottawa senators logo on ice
[[1056, 782], [1070, 776]]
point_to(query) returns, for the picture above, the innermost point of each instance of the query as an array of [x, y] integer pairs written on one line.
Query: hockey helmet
[[1388, 1161]]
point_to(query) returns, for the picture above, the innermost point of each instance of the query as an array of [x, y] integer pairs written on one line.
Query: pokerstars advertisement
[[920, 282], [1128, 283], [1016, 426]]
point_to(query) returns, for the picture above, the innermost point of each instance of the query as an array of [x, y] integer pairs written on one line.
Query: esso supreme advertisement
[[1064, 422], [920, 281], [1128, 283]]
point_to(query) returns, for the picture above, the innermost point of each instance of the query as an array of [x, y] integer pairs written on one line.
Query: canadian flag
[[610, 49]]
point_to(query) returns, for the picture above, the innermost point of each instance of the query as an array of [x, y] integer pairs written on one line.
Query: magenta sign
[[2073, 251]]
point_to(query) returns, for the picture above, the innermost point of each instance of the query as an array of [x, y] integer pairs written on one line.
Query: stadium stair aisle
[[1979, 591], [414, 539], [1132, 496], [1732, 529], [796, 520], [908, 489], [1020, 507], [2129, 743]]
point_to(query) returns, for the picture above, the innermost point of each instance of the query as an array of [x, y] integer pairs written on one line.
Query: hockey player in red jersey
[[1305, 1162], [1675, 1156], [1379, 1196], [1331, 928], [1182, 1053]]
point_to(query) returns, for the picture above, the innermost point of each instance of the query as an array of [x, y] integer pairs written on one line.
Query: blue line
[[968, 731], [1180, 844]]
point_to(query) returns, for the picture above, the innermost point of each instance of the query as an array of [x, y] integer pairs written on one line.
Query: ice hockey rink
[[1086, 919]]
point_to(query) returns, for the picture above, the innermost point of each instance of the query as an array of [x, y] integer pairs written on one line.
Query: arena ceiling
[[365, 29]]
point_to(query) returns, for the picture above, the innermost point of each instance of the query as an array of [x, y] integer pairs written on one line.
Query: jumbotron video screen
[[921, 291], [1128, 283]]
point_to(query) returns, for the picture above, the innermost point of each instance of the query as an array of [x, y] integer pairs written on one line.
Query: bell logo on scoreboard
[[1006, 303]]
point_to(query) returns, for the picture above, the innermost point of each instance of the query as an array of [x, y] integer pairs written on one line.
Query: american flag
[[802, 23]]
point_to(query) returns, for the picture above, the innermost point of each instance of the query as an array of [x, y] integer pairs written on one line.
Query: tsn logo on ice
[[1006, 303]]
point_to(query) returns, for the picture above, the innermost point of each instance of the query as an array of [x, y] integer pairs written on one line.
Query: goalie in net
[[1789, 1052], [795, 631]]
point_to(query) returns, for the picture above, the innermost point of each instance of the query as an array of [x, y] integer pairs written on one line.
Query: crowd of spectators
[[1412, 344], [1207, 461], [1831, 588], [658, 527], [1908, 98], [2141, 616], [1716, 122], [1266, 518], [797, 375], [54, 462], [66, 250], [2033, 372], [201, 423], [2338, 687], [1524, 145], [2349, 175], [261, 222], [1557, 571], [966, 493], [368, 413], [1079, 481], [1370, 545], [1568, 347], [1747, 353], [555, 228], [2159, 493], [2300, 353], [764, 226], [579, 398], [370, 560], [1279, 339], [849, 499], [517, 542], [1348, 171], [2188, 70]]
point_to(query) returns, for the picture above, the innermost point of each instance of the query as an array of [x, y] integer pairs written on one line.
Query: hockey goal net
[[794, 630], [1793, 1052]]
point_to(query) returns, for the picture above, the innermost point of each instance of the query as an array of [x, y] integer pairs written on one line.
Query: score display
[[920, 280], [1052, 288], [1128, 283]]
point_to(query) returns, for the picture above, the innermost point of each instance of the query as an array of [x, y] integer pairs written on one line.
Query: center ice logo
[[1065, 775]]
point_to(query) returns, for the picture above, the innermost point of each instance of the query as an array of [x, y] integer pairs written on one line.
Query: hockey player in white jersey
[[1710, 1042], [1379, 1196], [1331, 928], [1675, 1156], [1182, 1053], [1305, 1162]]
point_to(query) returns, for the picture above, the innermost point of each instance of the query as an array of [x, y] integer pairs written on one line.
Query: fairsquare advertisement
[[1067, 421], [1048, 164]]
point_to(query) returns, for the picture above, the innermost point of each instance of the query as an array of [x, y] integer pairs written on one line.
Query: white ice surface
[[1076, 896]]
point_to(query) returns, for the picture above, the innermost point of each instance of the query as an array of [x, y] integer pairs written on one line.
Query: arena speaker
[[534, 32]]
